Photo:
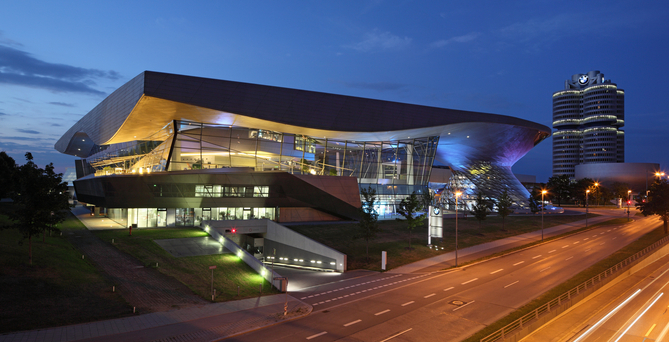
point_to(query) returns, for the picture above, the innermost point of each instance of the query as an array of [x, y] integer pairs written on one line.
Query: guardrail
[[510, 329]]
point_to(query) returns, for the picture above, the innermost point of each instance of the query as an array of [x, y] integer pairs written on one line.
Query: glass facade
[[394, 169]]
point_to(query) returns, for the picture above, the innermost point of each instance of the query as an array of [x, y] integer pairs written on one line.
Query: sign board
[[436, 222], [212, 267]]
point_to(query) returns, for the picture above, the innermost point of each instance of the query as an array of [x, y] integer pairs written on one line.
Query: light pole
[[586, 208], [457, 194], [596, 189], [629, 192], [543, 192]]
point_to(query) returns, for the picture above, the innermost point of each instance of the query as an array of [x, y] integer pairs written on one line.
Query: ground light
[[586, 208], [543, 205]]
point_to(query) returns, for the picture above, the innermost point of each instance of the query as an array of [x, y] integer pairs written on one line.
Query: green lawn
[[394, 237], [58, 289], [192, 271]]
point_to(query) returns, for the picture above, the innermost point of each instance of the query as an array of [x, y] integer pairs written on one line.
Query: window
[[261, 191]]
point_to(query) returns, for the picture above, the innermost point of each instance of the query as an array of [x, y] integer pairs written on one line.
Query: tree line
[[39, 198]]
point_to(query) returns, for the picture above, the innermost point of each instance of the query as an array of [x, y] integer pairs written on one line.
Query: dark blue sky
[[58, 60]]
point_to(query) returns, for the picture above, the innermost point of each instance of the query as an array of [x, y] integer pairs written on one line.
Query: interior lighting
[[296, 260], [301, 260], [318, 262], [332, 263], [313, 261]]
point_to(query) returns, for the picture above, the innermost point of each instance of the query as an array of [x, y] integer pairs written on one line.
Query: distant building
[[587, 116], [637, 176]]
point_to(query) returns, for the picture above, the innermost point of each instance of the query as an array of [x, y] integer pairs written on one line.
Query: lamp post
[[629, 192], [586, 208], [457, 194], [543, 192], [596, 190]]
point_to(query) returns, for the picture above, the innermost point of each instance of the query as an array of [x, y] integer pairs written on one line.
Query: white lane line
[[588, 249], [569, 258], [602, 233], [608, 230], [602, 243], [304, 298], [518, 263], [319, 334], [614, 238], [469, 281], [381, 312], [594, 235], [551, 251], [534, 257], [544, 269], [499, 270], [565, 246], [460, 307], [398, 334], [585, 239], [430, 295], [515, 282], [450, 288], [351, 323], [577, 242], [408, 303]]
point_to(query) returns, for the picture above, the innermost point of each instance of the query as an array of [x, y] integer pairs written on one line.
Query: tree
[[657, 202], [561, 187], [534, 206], [7, 171], [369, 225], [580, 187], [40, 200], [620, 190], [426, 199], [409, 208], [481, 207], [504, 203]]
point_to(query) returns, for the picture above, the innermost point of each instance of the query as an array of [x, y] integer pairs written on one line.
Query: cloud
[[22, 138], [3, 114], [62, 104], [459, 39], [375, 41], [380, 86], [56, 125], [6, 41], [27, 131], [18, 67]]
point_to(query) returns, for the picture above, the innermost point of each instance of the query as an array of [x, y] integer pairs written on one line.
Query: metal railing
[[529, 318]]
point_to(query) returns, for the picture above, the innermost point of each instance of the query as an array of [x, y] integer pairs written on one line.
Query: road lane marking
[[398, 334], [614, 238], [608, 230], [577, 242], [544, 269], [569, 258], [515, 282], [381, 312], [319, 334], [638, 317], [552, 251], [594, 235], [351, 323], [588, 249], [469, 281], [518, 263], [430, 295], [534, 257], [499, 270], [460, 307], [565, 246], [650, 330], [602, 243], [408, 303], [585, 239], [450, 288]]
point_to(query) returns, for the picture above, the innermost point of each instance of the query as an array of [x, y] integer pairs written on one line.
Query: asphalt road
[[448, 305], [637, 314]]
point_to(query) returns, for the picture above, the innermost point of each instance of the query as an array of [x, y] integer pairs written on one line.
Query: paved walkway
[[199, 322]]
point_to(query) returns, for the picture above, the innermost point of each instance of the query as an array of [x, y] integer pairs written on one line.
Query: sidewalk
[[216, 321]]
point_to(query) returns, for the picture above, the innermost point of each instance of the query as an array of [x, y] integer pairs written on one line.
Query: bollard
[[112, 240], [260, 289], [156, 265], [82, 256], [133, 309], [237, 290], [113, 288], [61, 233]]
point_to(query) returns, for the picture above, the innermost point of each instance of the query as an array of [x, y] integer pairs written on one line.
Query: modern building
[[637, 176], [173, 150], [587, 116]]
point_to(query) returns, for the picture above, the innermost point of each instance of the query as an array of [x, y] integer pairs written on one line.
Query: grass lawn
[[194, 272], [618, 256], [394, 237], [58, 289]]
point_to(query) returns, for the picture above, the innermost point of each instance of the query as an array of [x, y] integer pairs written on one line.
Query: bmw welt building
[[171, 150]]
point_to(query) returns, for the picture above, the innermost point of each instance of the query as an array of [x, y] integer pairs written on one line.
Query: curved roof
[[151, 100]]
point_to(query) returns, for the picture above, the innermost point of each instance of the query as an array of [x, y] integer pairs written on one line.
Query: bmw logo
[[583, 79]]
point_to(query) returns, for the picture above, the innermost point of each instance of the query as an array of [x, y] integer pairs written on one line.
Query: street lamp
[[595, 189], [586, 207], [543, 192], [457, 194], [629, 192]]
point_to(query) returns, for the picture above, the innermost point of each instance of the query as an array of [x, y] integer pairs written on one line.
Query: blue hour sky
[[59, 59]]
